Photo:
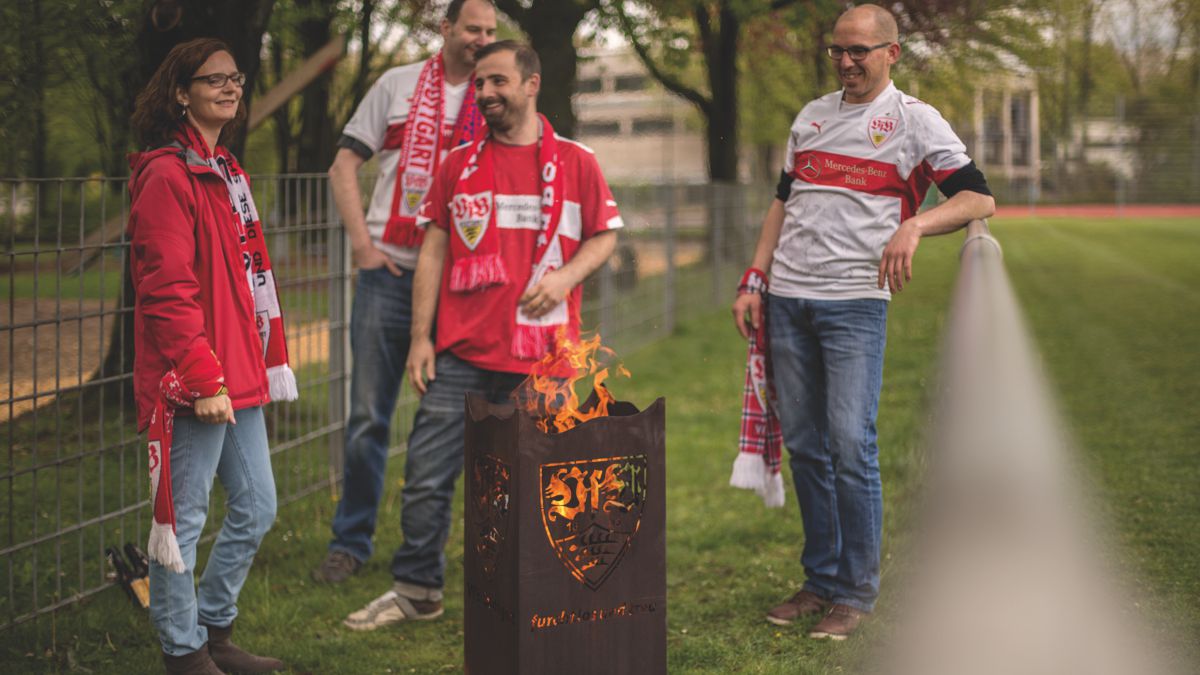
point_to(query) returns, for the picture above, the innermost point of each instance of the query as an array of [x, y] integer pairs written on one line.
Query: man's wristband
[[753, 281]]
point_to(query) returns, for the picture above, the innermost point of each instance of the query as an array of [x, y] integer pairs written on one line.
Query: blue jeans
[[379, 337], [237, 454], [433, 463], [827, 363]]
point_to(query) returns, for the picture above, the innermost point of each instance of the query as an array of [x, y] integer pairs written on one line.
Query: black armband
[[968, 178], [784, 189], [356, 146]]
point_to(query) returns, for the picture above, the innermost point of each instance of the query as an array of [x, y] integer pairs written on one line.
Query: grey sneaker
[[397, 605], [337, 567]]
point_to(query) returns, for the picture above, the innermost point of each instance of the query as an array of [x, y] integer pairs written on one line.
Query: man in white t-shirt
[[839, 238], [411, 118]]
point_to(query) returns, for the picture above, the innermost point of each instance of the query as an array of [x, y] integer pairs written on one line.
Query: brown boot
[[196, 663], [839, 624], [232, 658], [802, 604]]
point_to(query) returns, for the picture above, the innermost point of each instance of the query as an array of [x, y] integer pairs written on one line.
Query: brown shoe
[[839, 624], [196, 663], [232, 658], [804, 603], [337, 567]]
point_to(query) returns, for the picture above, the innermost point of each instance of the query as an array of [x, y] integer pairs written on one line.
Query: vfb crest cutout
[[591, 511], [489, 497]]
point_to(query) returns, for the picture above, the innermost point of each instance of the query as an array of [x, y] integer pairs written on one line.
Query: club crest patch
[[414, 185], [881, 129], [591, 511], [472, 215]]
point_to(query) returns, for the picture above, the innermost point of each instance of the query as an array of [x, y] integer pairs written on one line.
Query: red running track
[[1100, 211]]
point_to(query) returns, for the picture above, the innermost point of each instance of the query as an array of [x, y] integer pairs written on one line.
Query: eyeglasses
[[218, 80], [857, 52]]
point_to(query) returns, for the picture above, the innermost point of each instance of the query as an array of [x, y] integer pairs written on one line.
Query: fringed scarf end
[[532, 342], [749, 472], [282, 381], [772, 490], [163, 547], [472, 273]]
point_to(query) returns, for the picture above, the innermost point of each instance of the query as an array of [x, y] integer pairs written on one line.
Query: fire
[[549, 392]]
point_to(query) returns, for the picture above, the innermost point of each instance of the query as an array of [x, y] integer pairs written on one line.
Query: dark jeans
[[379, 338], [434, 462], [827, 359]]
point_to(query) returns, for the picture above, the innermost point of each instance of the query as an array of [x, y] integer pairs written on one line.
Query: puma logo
[[818, 125]]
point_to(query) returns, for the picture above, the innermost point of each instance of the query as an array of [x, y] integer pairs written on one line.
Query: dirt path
[[65, 352]]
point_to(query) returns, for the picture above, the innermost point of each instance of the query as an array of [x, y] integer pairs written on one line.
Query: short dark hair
[[455, 8], [157, 113], [527, 60]]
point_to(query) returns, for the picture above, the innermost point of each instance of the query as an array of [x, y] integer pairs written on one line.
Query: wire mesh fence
[[74, 478]]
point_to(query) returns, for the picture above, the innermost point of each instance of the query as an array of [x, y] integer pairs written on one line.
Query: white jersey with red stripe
[[858, 171], [378, 124]]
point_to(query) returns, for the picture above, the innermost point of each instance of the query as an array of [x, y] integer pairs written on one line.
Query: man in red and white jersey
[[410, 119], [839, 238], [514, 223]]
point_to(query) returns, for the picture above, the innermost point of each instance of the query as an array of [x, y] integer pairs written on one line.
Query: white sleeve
[[370, 121], [940, 147]]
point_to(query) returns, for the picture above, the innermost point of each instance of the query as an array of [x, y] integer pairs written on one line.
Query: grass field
[[1115, 309]]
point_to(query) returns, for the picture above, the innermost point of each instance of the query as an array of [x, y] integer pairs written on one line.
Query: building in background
[[1004, 136], [641, 132]]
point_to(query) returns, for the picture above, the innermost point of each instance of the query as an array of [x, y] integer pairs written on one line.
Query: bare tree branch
[[672, 84]]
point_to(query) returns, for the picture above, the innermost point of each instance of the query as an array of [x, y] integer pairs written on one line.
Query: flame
[[549, 392]]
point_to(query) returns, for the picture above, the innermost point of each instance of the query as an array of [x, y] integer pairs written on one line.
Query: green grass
[[1113, 306]]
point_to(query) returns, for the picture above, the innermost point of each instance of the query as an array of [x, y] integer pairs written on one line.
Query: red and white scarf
[[760, 445], [422, 149], [268, 316], [198, 375], [475, 257]]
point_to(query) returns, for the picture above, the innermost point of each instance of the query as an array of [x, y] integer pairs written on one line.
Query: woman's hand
[[215, 409]]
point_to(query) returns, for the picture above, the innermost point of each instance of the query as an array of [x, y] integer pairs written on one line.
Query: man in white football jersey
[[839, 238]]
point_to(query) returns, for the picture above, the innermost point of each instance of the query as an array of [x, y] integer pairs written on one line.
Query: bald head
[[882, 22]]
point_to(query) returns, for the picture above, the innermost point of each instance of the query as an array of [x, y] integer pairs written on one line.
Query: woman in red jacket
[[209, 352]]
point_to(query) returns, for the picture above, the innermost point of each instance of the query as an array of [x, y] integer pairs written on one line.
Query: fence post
[[608, 325], [668, 234], [339, 321], [716, 203]]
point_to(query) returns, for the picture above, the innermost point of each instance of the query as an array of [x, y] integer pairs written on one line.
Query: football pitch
[[1114, 309]]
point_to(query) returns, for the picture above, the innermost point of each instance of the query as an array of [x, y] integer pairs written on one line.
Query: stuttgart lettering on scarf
[[422, 150]]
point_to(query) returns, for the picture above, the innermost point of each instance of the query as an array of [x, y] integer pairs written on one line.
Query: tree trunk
[[364, 53], [720, 50], [282, 115], [551, 25], [314, 151], [559, 57], [37, 93]]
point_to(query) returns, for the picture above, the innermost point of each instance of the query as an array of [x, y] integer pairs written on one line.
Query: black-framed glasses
[[857, 52], [218, 80]]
